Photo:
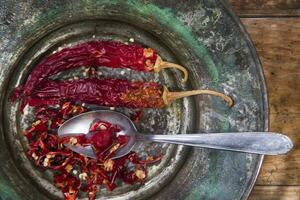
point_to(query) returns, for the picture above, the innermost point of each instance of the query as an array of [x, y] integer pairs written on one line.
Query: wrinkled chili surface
[[112, 54], [74, 172], [105, 92]]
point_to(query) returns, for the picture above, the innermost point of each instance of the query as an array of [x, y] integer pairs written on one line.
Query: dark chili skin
[[112, 92], [48, 151], [105, 92], [92, 54]]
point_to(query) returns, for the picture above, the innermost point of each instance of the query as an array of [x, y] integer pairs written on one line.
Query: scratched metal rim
[[264, 91], [194, 27]]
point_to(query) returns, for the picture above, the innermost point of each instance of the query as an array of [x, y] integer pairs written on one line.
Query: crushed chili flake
[[74, 172]]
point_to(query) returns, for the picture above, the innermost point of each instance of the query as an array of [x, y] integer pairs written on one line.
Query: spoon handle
[[267, 143]]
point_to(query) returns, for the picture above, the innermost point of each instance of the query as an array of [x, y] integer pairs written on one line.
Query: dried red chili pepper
[[115, 92], [94, 54], [38, 125]]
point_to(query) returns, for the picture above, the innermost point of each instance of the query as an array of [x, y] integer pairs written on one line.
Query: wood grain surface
[[276, 193], [274, 27], [264, 8]]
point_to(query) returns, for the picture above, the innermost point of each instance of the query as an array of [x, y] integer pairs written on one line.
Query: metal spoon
[[266, 143]]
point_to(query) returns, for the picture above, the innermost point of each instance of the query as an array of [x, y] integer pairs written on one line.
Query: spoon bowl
[[267, 143], [80, 124]]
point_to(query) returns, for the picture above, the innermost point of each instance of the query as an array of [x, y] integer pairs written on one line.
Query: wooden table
[[274, 26]]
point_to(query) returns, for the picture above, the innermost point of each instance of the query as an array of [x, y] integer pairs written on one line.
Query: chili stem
[[160, 64], [169, 97]]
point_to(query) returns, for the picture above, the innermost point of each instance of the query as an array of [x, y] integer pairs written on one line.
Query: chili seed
[[83, 176], [140, 174]]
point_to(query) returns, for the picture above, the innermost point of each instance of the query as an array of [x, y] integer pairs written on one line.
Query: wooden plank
[[277, 42], [275, 193], [266, 8]]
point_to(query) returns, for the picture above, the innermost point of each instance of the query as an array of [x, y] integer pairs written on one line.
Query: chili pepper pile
[[94, 54], [74, 172]]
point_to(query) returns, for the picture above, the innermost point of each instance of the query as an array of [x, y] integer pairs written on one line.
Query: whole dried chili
[[74, 172], [114, 92], [94, 54]]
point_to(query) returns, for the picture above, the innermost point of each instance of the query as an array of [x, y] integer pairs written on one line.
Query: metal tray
[[204, 36]]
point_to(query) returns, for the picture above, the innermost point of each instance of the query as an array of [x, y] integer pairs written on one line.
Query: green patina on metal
[[211, 186], [6, 191], [168, 19], [225, 126]]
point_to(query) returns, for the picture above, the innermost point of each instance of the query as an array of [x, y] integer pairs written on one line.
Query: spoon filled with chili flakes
[[126, 135]]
